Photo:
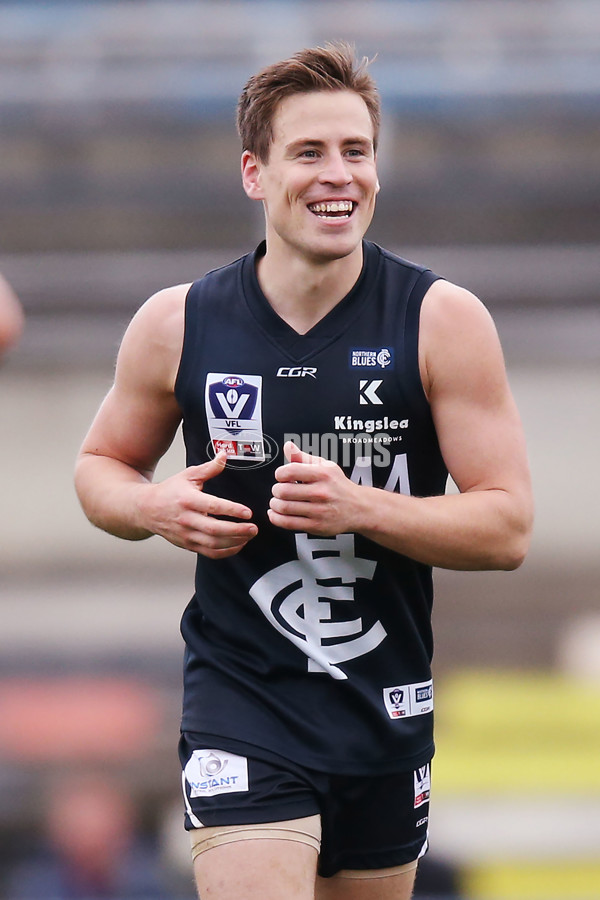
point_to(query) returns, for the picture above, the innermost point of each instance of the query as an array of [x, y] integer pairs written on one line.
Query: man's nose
[[335, 170]]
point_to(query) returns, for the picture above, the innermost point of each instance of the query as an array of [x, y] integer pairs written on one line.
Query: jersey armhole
[[412, 332], [183, 369]]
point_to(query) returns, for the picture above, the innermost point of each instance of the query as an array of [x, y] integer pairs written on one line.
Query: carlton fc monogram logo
[[297, 599]]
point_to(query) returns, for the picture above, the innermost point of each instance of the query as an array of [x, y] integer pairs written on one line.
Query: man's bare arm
[[133, 429], [12, 318]]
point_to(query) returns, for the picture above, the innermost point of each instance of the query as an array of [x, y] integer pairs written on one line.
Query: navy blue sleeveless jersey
[[315, 649]]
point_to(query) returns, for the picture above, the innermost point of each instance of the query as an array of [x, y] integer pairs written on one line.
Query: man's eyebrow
[[304, 142], [360, 140]]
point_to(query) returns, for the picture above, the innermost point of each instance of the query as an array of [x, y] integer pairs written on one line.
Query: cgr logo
[[296, 372]]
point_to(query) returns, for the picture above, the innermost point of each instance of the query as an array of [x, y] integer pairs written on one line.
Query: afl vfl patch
[[234, 415]]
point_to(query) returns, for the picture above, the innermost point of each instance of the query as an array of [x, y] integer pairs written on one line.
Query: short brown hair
[[333, 67]]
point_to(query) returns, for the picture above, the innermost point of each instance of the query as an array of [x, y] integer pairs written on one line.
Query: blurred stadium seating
[[118, 136]]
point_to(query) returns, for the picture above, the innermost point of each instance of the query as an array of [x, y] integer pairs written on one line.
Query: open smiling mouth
[[342, 209]]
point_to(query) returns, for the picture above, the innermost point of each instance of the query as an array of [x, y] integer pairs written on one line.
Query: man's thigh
[[397, 886], [257, 870], [374, 824]]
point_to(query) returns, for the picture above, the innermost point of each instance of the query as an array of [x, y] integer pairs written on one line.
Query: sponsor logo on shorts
[[210, 772], [423, 821], [422, 777], [408, 699]]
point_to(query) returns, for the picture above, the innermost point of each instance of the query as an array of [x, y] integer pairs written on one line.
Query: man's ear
[[251, 170]]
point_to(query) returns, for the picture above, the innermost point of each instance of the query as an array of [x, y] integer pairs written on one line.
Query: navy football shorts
[[367, 822]]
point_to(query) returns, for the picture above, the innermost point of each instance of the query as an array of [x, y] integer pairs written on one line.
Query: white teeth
[[342, 206]]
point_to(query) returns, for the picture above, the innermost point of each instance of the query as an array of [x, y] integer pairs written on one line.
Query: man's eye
[[309, 154]]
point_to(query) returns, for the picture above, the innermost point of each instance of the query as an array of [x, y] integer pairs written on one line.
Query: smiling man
[[327, 387]]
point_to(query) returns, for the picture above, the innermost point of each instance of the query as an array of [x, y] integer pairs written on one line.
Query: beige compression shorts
[[305, 831]]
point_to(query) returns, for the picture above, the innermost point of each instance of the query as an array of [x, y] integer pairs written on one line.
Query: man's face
[[319, 184]]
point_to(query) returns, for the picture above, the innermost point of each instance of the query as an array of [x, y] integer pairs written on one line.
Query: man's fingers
[[296, 471], [291, 523], [215, 506], [209, 505], [207, 470], [223, 529], [301, 466], [294, 454], [216, 537], [289, 507]]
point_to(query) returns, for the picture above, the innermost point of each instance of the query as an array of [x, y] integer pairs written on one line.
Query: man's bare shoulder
[[154, 337], [447, 305], [163, 313], [457, 335]]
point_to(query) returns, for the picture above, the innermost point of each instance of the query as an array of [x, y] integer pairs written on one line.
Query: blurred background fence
[[119, 175]]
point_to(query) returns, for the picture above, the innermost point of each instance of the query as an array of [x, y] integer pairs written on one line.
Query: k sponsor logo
[[368, 392]]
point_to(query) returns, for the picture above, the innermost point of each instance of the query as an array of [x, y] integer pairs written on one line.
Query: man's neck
[[302, 291]]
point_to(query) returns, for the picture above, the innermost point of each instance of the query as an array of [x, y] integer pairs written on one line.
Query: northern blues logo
[[233, 412], [372, 358]]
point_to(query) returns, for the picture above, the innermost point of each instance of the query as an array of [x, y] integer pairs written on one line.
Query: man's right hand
[[179, 510]]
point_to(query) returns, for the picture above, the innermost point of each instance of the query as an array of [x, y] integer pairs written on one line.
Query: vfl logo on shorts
[[233, 412], [210, 772], [422, 778]]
